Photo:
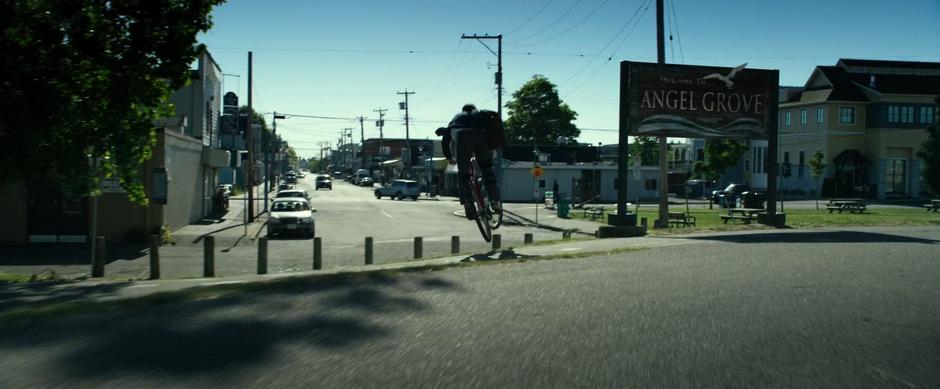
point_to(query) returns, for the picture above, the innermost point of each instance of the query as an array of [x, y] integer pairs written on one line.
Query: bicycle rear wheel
[[483, 213]]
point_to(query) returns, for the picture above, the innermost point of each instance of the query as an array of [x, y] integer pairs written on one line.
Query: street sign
[[537, 171], [696, 101]]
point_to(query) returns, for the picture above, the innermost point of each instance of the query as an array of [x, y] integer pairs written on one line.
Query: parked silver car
[[399, 189], [291, 215]]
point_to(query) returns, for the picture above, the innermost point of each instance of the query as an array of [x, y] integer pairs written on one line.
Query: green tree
[[930, 153], [647, 147], [817, 168], [720, 154], [83, 82], [537, 115]]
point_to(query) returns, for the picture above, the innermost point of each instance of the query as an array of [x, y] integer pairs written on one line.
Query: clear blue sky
[[348, 58]]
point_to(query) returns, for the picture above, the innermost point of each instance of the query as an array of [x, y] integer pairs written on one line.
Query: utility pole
[[380, 123], [250, 141], [407, 133], [266, 146], [663, 221], [362, 140], [499, 93], [350, 155]]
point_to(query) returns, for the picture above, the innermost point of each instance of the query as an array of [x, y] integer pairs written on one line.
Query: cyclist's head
[[468, 108]]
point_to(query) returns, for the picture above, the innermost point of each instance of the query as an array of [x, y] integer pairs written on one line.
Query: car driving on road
[[291, 215], [293, 193], [324, 181], [399, 189], [730, 193]]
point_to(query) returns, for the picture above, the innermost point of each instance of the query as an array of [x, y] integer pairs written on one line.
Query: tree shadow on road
[[67, 254], [192, 337], [815, 237]]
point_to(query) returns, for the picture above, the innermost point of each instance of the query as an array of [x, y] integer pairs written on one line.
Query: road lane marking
[[386, 214]]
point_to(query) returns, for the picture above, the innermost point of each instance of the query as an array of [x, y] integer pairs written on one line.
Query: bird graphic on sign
[[727, 79]]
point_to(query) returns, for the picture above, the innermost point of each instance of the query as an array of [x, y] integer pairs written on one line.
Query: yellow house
[[868, 118]]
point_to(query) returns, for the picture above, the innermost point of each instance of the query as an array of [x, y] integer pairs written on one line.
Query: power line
[[569, 28], [531, 18], [609, 42], [553, 23], [675, 19]]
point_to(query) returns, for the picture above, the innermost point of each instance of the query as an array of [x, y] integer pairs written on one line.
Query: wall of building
[[518, 184], [183, 162]]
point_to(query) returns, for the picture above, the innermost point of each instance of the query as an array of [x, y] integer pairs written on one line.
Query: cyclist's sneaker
[[470, 211], [496, 206]]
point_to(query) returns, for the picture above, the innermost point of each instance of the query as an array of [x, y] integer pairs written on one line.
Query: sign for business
[[697, 101]]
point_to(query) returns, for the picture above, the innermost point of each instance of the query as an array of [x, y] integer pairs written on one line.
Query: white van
[[360, 174]]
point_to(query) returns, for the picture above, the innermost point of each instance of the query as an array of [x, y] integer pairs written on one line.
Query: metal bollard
[[528, 238], [419, 247], [317, 253], [97, 265], [566, 235], [262, 255], [497, 241], [208, 255], [454, 244], [154, 257], [368, 250]]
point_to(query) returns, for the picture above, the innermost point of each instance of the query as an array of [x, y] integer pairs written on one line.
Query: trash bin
[[564, 205], [753, 199]]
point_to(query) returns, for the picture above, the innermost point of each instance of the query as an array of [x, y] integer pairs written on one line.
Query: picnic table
[[744, 214], [680, 219], [934, 205], [846, 205], [594, 212]]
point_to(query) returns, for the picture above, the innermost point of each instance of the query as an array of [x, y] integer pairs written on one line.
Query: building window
[[759, 163], [894, 114], [747, 165], [803, 116], [894, 176], [847, 115], [820, 115], [650, 184], [927, 115], [802, 163], [786, 118], [907, 114]]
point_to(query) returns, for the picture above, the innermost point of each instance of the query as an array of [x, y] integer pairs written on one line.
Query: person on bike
[[463, 137]]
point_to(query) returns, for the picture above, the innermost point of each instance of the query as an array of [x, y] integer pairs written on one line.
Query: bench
[[594, 212], [680, 219], [745, 218], [847, 205], [934, 206]]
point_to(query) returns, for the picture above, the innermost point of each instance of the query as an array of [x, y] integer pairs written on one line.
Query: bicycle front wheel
[[483, 213]]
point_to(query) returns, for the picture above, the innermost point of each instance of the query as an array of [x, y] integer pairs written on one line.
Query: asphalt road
[[834, 309]]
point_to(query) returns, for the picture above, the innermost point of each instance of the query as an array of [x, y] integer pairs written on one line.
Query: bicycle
[[487, 219]]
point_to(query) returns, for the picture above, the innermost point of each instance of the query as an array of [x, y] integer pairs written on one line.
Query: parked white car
[[291, 215]]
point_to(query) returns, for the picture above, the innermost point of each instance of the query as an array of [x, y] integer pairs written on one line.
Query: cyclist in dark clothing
[[463, 137]]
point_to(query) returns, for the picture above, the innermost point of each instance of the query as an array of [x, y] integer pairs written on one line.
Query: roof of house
[[872, 63], [843, 89], [899, 83]]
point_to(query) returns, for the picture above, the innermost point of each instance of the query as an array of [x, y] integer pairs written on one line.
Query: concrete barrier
[[262, 255], [419, 247], [154, 257], [208, 256], [317, 253], [97, 263]]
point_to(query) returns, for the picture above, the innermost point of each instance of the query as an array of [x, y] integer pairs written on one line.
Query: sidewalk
[[229, 228], [16, 295]]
